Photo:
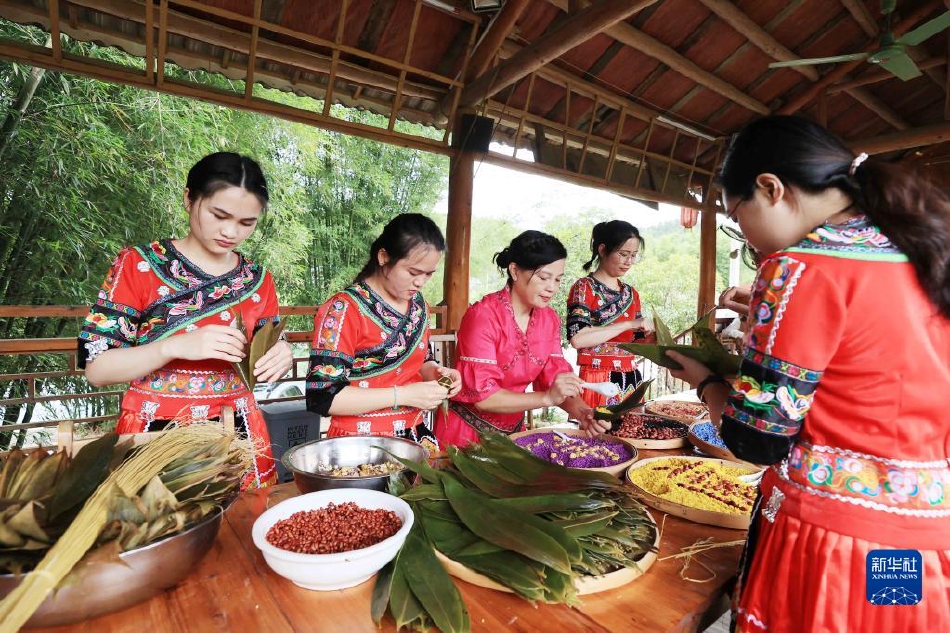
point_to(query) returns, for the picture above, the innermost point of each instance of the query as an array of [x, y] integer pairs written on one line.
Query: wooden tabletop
[[233, 589]]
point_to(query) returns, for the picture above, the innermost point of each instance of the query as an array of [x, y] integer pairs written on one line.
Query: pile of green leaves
[[41, 493], [708, 350], [532, 526]]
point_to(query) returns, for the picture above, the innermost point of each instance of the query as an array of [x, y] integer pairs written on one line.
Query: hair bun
[[503, 258]]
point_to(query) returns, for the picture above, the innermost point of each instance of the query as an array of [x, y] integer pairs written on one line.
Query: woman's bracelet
[[705, 382], [395, 399]]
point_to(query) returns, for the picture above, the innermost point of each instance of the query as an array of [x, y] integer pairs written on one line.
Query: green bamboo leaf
[[547, 477], [87, 469], [403, 605], [380, 599], [614, 411], [428, 473], [432, 586], [43, 479], [449, 537], [242, 367], [724, 366], [586, 524], [424, 492], [571, 501], [519, 573], [663, 334], [261, 341], [507, 528]]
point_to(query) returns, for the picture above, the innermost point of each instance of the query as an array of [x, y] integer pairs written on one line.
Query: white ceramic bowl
[[325, 572]]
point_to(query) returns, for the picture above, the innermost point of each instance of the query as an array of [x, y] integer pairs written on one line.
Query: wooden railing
[[33, 392]]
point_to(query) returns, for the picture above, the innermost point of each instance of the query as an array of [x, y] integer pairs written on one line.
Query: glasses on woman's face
[[734, 213], [628, 256]]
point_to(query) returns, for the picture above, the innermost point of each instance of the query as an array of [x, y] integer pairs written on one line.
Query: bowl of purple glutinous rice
[[604, 453]]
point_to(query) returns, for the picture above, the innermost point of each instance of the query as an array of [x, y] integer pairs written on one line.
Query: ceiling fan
[[891, 56]]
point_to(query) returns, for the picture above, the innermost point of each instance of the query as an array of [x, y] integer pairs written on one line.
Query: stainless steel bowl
[[99, 589], [304, 460]]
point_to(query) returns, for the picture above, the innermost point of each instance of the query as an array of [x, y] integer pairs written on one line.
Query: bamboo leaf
[[614, 411], [262, 340], [87, 469], [380, 598], [495, 524], [552, 503], [432, 586], [663, 334], [242, 366], [403, 605]]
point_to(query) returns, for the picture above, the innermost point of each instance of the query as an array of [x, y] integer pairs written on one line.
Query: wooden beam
[[564, 78], [219, 35], [252, 53], [105, 71], [878, 107], [575, 30], [458, 233], [707, 261], [841, 70], [883, 75], [651, 47], [862, 16], [908, 139], [487, 46], [746, 26], [379, 15]]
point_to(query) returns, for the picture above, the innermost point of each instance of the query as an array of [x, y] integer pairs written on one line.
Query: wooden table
[[233, 589]]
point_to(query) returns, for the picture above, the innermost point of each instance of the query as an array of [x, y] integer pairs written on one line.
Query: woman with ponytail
[[370, 366], [511, 339], [603, 311], [844, 387]]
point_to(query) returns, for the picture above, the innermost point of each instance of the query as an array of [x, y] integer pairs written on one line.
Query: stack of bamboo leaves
[[109, 498], [708, 350], [532, 526]]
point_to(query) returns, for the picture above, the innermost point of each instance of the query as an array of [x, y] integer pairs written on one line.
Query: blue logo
[[895, 577]]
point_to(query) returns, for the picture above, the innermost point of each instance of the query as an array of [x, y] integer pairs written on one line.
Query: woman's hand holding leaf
[[276, 362], [210, 341], [692, 372]]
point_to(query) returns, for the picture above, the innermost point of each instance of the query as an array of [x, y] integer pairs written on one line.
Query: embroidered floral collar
[[855, 238]]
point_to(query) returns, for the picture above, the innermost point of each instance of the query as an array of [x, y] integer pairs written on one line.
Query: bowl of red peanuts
[[332, 539]]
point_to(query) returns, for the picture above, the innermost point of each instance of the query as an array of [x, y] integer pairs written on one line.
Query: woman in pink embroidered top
[[511, 339]]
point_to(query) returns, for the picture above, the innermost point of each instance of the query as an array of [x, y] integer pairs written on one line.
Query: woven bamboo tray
[[656, 408], [585, 585], [715, 451], [617, 469], [697, 515], [656, 445]]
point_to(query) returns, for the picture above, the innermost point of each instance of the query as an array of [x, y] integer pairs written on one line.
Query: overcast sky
[[533, 199]]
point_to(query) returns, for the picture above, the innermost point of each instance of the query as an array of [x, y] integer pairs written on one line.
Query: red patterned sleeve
[[114, 318], [336, 333], [579, 305], [266, 306], [797, 321]]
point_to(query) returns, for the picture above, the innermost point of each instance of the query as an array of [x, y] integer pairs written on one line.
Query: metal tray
[[104, 588]]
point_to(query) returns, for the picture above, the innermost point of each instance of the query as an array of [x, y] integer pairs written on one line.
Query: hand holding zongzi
[[209, 341], [275, 363]]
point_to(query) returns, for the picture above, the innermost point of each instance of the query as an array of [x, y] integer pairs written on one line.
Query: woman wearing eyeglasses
[[603, 311]]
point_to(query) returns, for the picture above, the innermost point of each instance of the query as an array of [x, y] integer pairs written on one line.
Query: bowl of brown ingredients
[[355, 461], [332, 539]]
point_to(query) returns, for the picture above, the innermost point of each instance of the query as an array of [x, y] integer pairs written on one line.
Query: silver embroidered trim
[[399, 426], [472, 359], [752, 619], [148, 411], [364, 428], [200, 412], [240, 407], [775, 502], [96, 347]]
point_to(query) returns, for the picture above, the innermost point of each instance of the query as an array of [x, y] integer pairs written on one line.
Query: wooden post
[[458, 233], [707, 261]]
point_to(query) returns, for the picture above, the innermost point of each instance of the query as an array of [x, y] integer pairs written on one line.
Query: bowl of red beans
[[332, 539]]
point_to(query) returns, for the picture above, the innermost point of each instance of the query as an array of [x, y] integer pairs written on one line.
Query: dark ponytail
[[399, 237], [529, 251], [911, 211], [612, 235]]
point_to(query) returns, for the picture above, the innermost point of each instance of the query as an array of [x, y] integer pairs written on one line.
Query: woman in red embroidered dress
[[162, 321], [509, 340], [370, 366], [603, 311], [854, 423]]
